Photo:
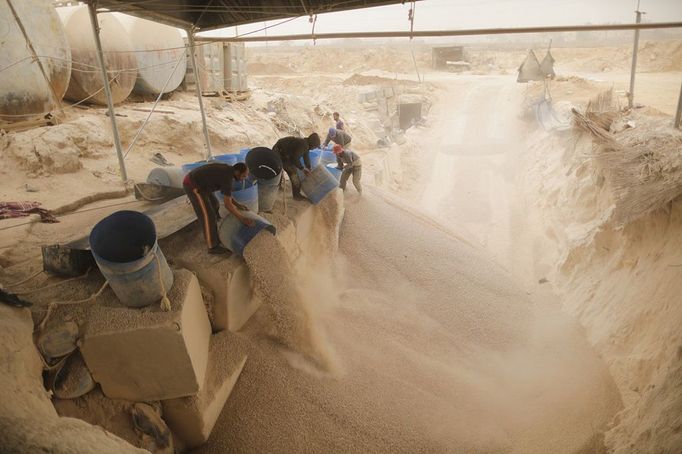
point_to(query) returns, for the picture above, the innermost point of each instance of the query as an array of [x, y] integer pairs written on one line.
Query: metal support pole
[[678, 115], [92, 8], [441, 33], [631, 93], [197, 84]]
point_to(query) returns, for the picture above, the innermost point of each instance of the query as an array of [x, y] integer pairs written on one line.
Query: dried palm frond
[[643, 166]]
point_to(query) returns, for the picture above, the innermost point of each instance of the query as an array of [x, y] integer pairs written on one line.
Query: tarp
[[547, 65], [530, 69], [213, 14]]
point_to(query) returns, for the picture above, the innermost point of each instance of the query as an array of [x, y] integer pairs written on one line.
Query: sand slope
[[436, 350]]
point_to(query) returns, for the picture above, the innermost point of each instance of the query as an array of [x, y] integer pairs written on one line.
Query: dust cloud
[[288, 316], [408, 341]]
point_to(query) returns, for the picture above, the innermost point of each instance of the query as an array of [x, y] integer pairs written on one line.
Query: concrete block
[[217, 276], [230, 282], [148, 354], [192, 418], [226, 277]]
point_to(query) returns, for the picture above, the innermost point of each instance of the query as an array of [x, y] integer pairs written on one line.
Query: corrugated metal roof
[[212, 14]]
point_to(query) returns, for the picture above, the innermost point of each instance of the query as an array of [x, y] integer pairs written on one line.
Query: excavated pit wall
[[622, 283]]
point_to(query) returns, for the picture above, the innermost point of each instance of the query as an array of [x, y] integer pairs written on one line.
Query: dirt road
[[474, 146]]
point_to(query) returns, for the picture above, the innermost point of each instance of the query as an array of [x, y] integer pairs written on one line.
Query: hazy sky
[[457, 14]]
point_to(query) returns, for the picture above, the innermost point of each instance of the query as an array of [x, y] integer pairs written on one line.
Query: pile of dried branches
[[643, 165]]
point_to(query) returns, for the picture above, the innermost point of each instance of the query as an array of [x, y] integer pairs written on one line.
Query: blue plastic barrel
[[318, 184], [187, 168], [230, 159], [125, 249], [235, 236], [336, 172], [327, 157], [166, 176], [263, 163], [315, 155], [246, 193]]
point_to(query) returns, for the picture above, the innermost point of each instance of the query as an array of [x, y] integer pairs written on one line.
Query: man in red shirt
[[201, 183]]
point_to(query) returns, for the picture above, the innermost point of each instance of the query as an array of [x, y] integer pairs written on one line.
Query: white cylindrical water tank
[[86, 76], [24, 92], [158, 48]]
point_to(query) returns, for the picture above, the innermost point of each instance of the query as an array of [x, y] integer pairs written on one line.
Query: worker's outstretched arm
[[229, 204], [306, 159]]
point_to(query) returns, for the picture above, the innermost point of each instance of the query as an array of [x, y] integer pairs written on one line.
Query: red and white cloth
[[10, 210]]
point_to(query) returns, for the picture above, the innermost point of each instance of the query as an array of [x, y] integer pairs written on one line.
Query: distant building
[[440, 56]]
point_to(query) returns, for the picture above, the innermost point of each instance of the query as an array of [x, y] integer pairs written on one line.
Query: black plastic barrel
[[263, 163]]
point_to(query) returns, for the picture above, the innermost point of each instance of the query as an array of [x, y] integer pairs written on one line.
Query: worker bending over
[[291, 150], [351, 165], [338, 136], [200, 185]]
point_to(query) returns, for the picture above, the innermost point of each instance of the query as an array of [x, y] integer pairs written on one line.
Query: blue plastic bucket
[[246, 193], [315, 155], [166, 176], [230, 159], [334, 171], [235, 236], [327, 157], [125, 249], [187, 168], [318, 184]]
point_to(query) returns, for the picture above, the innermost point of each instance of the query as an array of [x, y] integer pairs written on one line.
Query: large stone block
[[148, 354], [230, 282], [192, 418]]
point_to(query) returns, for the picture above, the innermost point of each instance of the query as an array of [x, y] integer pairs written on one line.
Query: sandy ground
[[436, 349], [660, 90]]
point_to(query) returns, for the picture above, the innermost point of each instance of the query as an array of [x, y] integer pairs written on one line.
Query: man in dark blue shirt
[[291, 150]]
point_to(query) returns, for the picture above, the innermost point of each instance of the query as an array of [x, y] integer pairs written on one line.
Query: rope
[[158, 98], [52, 305], [70, 106], [14, 284], [283, 186], [56, 284], [165, 302], [313, 19], [73, 212]]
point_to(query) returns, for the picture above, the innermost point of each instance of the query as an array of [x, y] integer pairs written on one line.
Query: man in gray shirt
[[351, 165], [337, 136]]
